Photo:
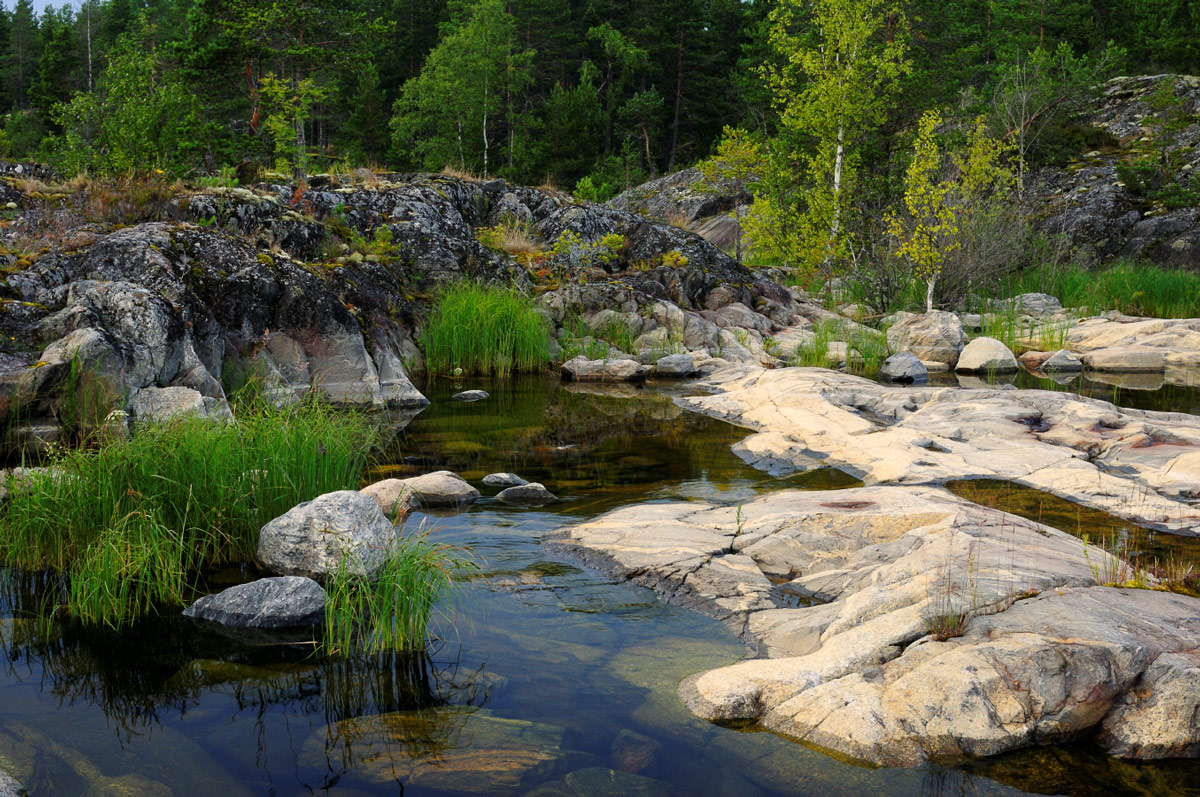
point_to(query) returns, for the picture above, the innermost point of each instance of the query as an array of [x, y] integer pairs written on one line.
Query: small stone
[[471, 395], [442, 488], [634, 752], [904, 367], [282, 602], [532, 494], [1062, 360], [503, 480]]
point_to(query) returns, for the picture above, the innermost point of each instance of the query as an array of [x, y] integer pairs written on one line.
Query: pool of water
[[546, 678]]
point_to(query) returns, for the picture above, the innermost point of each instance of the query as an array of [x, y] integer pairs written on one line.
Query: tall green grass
[[173, 498], [391, 611], [1131, 288], [484, 329]]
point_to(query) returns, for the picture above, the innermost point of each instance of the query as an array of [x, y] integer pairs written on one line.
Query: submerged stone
[[281, 602]]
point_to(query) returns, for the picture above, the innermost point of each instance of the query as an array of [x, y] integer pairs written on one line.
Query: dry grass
[[459, 174], [678, 219]]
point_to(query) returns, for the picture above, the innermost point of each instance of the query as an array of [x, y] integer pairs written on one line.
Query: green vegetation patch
[[485, 329], [1132, 288]]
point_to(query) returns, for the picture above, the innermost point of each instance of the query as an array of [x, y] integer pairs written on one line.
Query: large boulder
[[679, 366], [315, 538], [1036, 304], [986, 355], [282, 602], [935, 337], [162, 404], [1126, 359]]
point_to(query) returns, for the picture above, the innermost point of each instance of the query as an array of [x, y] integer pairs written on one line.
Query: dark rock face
[[678, 196], [284, 602], [532, 494], [1089, 204]]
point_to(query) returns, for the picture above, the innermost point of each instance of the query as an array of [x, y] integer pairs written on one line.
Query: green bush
[[484, 329]]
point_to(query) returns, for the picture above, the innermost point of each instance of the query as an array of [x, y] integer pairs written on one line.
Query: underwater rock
[[281, 602], [532, 494], [503, 480], [314, 538], [471, 395]]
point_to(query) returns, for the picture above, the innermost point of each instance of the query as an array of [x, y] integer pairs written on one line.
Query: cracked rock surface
[[1140, 465], [1047, 654]]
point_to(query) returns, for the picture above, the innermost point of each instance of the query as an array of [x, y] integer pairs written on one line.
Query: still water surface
[[547, 678]]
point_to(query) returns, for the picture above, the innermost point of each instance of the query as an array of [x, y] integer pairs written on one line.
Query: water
[[547, 678]]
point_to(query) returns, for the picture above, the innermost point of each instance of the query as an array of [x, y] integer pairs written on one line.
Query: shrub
[[485, 329]]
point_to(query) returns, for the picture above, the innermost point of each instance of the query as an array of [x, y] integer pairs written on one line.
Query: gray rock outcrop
[[316, 537], [678, 366], [282, 602], [1136, 464]]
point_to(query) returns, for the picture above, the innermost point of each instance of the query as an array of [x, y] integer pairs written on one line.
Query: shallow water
[[547, 678]]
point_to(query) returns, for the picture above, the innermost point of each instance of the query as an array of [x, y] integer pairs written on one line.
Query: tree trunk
[[839, 160], [929, 283], [678, 103], [485, 135], [649, 160]]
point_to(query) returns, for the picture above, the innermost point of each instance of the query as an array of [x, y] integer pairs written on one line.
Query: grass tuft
[[1129, 287], [390, 612], [484, 329], [172, 498]]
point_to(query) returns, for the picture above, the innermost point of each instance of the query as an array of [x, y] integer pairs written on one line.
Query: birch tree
[[834, 78]]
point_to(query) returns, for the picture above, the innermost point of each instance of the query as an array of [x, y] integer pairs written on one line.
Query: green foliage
[[734, 168], [392, 610], [172, 498], [451, 112], [288, 105], [1155, 175], [1129, 287], [485, 329], [141, 118]]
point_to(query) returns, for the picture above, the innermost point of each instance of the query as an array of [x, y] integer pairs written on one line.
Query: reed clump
[[133, 519], [391, 611], [485, 329]]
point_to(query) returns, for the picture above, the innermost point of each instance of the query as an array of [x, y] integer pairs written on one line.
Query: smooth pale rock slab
[[582, 369], [281, 602], [1129, 359], [1075, 447], [984, 355], [312, 539], [858, 672], [503, 480], [904, 367], [679, 366], [931, 337], [471, 395], [1062, 360], [531, 494]]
